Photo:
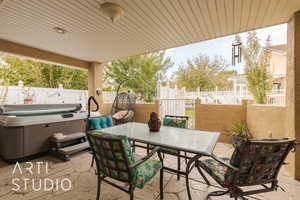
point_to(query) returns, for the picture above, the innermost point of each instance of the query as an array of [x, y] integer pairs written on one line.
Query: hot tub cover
[[38, 109]]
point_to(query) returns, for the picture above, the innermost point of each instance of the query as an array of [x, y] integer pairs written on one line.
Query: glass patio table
[[199, 143]]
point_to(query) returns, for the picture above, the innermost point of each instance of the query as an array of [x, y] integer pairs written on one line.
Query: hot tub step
[[74, 148], [72, 143], [69, 137]]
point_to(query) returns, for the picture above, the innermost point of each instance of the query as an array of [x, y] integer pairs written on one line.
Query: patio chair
[[123, 108], [116, 160], [253, 163], [97, 123], [179, 122], [176, 121]]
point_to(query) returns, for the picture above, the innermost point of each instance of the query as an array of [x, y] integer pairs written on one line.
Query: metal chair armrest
[[144, 159], [224, 163], [294, 146]]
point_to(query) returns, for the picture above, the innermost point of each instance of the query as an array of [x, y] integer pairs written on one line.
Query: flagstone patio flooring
[[84, 182]]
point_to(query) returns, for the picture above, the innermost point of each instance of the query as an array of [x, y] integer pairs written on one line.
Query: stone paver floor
[[84, 182]]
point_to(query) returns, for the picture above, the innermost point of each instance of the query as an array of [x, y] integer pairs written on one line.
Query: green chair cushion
[[215, 169], [165, 150], [113, 155], [168, 150], [257, 162], [114, 160], [145, 172], [179, 123]]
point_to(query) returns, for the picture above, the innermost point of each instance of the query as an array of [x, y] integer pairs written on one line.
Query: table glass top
[[193, 141]]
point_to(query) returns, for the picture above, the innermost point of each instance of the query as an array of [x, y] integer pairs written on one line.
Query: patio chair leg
[[161, 184], [93, 159], [99, 187], [131, 190], [188, 185], [178, 167], [202, 174]]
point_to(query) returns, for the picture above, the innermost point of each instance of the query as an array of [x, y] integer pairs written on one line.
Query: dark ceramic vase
[[154, 122]]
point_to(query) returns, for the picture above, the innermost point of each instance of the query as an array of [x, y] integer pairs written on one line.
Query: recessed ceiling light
[[59, 30]]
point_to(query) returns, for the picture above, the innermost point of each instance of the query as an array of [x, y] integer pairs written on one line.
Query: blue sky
[[222, 46]]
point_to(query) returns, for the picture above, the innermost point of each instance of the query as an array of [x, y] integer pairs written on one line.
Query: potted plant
[[28, 96], [240, 131]]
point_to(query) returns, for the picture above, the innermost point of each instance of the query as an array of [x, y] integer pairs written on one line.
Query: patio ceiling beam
[[39, 54]]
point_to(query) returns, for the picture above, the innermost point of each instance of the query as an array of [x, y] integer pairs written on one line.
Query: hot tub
[[25, 129]]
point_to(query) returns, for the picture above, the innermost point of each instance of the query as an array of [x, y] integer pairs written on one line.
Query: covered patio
[[77, 34]]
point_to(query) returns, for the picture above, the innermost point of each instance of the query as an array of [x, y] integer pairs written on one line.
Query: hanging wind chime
[[236, 53]]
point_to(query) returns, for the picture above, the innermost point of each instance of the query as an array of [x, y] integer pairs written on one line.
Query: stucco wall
[[266, 121], [105, 108], [218, 118], [143, 111]]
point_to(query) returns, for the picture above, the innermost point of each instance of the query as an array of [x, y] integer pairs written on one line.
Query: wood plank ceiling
[[147, 25]]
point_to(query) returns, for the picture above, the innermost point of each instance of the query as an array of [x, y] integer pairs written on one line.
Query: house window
[[276, 86]]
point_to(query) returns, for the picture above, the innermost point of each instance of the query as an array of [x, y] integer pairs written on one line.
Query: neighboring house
[[278, 66]]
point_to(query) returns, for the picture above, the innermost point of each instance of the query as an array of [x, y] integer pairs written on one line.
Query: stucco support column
[[293, 89], [95, 80]]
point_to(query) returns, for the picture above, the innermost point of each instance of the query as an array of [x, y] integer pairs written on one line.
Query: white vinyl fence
[[17, 94], [216, 96], [178, 107]]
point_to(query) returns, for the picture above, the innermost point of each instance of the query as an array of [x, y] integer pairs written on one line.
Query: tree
[[204, 73], [139, 73], [38, 74], [257, 61]]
